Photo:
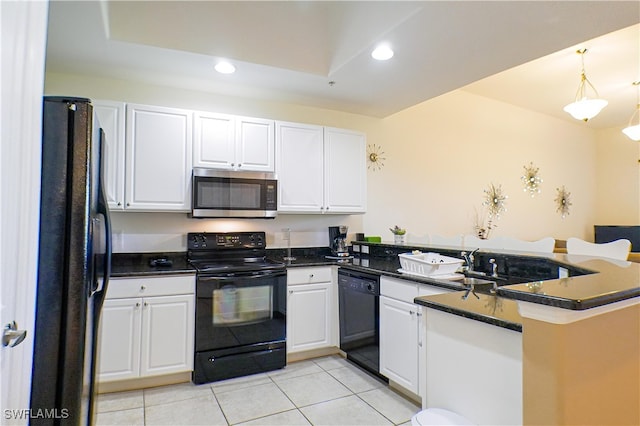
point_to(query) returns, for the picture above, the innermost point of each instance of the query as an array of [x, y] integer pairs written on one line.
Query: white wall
[[440, 156]]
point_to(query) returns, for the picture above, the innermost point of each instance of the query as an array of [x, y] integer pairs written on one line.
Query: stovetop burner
[[211, 252]]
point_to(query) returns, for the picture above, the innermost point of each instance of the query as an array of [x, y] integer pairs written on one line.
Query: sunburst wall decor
[[531, 180], [375, 156], [495, 200], [563, 201]]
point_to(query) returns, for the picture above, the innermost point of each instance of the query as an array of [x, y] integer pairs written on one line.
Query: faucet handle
[[494, 267]]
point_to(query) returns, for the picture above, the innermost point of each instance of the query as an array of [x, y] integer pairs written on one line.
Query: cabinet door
[[345, 171], [111, 116], [399, 342], [255, 144], [300, 168], [214, 140], [119, 346], [309, 310], [158, 159], [167, 334]]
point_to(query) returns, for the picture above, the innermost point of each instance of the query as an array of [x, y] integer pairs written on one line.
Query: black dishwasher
[[359, 294]]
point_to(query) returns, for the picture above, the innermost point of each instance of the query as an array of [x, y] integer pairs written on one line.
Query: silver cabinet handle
[[11, 336]]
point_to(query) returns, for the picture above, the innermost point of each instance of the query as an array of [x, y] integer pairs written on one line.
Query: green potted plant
[[398, 234]]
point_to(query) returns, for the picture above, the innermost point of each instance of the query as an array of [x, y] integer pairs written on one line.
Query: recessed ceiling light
[[382, 52], [224, 67]]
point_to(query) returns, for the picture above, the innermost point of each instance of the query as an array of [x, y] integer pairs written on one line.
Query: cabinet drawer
[[398, 289], [150, 286], [308, 275]]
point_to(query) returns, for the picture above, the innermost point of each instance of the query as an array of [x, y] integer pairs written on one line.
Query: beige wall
[[444, 152], [618, 179], [440, 155]]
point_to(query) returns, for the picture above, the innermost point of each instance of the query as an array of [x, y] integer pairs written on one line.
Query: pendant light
[[583, 107], [633, 130]]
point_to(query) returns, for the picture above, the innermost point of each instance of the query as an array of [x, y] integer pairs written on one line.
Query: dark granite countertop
[[488, 308], [138, 264], [592, 282]]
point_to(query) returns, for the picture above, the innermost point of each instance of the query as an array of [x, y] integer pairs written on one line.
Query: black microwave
[[219, 193]]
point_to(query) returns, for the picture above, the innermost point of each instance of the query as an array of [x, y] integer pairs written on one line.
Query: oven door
[[240, 309]]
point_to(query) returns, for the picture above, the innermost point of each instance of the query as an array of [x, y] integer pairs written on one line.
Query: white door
[[24, 27], [309, 317], [399, 342], [158, 158], [111, 116], [120, 328], [300, 168], [255, 144], [167, 334], [345, 171]]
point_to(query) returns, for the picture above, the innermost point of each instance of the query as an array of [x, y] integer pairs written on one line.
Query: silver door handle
[[11, 336]]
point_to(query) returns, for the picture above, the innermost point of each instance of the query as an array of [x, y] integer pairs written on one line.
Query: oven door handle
[[243, 275]]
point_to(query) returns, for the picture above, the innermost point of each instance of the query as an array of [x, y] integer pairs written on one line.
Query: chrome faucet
[[468, 258], [494, 268]]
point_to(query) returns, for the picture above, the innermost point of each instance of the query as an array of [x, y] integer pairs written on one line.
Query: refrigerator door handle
[[103, 210]]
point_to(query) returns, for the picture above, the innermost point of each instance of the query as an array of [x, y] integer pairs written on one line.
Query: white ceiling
[[290, 50]]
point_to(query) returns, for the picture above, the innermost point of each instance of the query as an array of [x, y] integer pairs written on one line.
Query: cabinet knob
[[411, 312], [233, 164], [310, 275], [145, 304], [128, 204], [137, 304], [142, 288], [290, 291], [119, 203], [239, 165]]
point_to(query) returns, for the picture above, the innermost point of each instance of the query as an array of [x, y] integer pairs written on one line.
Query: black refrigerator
[[73, 264]]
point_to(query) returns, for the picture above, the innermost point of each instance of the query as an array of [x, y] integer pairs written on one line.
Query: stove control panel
[[225, 240]]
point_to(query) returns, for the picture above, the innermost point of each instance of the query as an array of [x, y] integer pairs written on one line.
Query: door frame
[[24, 30]]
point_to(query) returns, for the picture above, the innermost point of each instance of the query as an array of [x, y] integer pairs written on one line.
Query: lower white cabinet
[[401, 332], [311, 309], [147, 328], [399, 342]]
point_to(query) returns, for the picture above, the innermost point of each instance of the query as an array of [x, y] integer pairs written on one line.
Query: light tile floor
[[322, 391]]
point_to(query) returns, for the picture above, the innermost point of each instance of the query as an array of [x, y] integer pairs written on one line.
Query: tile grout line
[[215, 398]]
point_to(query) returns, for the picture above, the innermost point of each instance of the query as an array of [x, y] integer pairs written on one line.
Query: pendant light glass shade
[[585, 107], [633, 130]]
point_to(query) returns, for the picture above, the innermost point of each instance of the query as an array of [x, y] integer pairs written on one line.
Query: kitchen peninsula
[[577, 335]]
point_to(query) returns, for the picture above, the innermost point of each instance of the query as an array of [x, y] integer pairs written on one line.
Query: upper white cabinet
[[158, 159], [233, 143], [345, 171], [320, 170], [300, 167], [111, 116]]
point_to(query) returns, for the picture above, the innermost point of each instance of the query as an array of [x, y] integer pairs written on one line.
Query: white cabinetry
[[345, 171], [401, 334], [311, 309], [111, 116], [147, 327], [158, 159], [320, 170], [233, 143]]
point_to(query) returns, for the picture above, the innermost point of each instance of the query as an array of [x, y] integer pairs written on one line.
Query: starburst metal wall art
[[563, 201], [531, 180], [375, 156], [495, 200]]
